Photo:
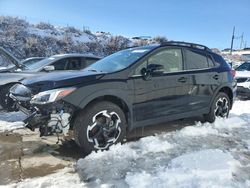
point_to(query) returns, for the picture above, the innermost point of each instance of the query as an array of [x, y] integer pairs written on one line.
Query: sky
[[208, 22]]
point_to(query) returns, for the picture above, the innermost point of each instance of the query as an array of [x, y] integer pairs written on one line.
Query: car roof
[[186, 44], [176, 43]]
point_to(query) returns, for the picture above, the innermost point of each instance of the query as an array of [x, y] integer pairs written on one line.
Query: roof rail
[[188, 44]]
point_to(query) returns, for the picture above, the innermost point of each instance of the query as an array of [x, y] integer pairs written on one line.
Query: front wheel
[[219, 108], [99, 126]]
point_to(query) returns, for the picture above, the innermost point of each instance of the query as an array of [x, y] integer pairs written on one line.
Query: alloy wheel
[[104, 130], [221, 107]]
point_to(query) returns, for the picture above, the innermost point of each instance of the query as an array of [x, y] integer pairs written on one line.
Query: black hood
[[60, 79]]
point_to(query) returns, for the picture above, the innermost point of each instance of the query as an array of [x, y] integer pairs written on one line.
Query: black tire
[[84, 122], [214, 112], [3, 96]]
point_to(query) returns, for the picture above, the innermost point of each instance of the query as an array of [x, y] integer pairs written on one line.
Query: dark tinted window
[[244, 67], [196, 60], [210, 61], [218, 59], [87, 61], [73, 64], [60, 64]]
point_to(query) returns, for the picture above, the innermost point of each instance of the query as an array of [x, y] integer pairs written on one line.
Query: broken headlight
[[51, 95]]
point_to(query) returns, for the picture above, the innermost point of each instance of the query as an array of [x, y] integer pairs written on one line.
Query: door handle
[[216, 77], [182, 79]]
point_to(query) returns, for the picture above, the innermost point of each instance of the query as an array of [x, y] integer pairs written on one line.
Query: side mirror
[[145, 74], [156, 69], [151, 70], [49, 68]]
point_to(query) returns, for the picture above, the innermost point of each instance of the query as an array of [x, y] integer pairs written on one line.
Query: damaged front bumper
[[50, 124], [51, 118]]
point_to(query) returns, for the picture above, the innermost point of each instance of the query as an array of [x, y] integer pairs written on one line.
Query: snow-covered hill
[[26, 40]]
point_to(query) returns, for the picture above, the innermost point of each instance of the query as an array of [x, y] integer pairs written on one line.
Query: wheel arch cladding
[[113, 99], [225, 89], [110, 98], [229, 93]]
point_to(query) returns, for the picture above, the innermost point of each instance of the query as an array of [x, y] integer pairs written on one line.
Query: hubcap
[[222, 107], [104, 130]]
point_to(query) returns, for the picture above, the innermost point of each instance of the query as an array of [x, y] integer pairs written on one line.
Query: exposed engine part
[[58, 123]]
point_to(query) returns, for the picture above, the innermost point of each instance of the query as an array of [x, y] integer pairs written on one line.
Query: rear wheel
[[99, 126], [220, 108]]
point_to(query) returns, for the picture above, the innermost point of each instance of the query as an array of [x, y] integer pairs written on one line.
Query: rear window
[[210, 61], [195, 60], [219, 60]]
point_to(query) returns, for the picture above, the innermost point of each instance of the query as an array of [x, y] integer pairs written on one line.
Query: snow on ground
[[201, 155], [11, 116], [198, 169], [64, 178], [11, 121], [10, 126]]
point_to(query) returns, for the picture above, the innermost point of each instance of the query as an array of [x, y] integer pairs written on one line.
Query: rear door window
[[210, 61], [195, 60]]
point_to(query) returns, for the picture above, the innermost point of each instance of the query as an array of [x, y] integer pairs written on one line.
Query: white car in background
[[243, 80]]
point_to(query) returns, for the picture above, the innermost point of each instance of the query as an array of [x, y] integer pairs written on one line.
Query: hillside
[[26, 40]]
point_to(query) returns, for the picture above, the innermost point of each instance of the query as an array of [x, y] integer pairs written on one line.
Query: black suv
[[128, 89]]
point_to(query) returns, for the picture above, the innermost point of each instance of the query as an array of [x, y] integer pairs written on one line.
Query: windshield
[[119, 60], [244, 67], [39, 64]]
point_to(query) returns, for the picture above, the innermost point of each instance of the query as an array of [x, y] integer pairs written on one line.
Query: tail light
[[233, 73]]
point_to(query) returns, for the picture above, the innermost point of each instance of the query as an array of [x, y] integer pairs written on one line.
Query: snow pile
[[198, 130], [64, 178], [206, 168], [230, 123], [10, 126], [12, 116]]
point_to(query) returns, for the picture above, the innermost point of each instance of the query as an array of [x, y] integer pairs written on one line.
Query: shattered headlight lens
[[51, 95]]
